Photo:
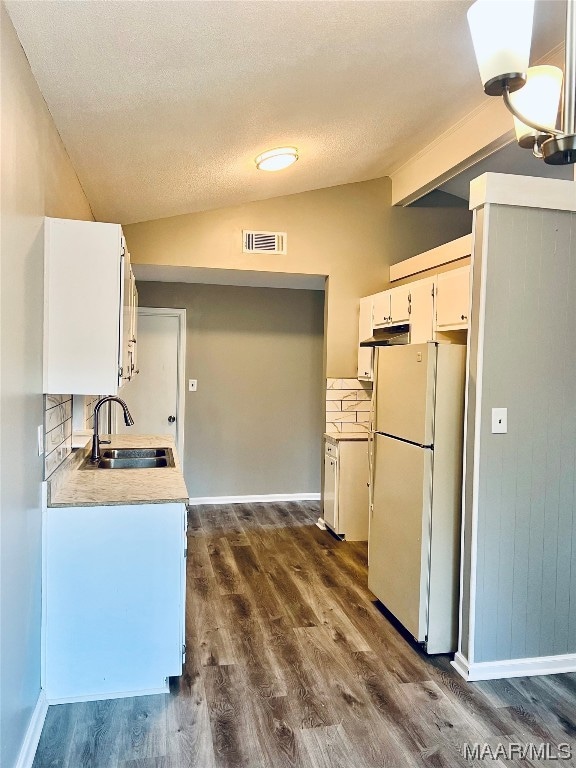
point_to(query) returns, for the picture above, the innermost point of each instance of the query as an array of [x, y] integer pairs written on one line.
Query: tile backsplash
[[57, 431], [348, 403], [62, 415], [89, 403]]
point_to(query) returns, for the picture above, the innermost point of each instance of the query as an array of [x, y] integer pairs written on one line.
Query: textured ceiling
[[162, 106]]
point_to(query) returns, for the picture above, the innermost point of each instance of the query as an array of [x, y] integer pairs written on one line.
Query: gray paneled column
[[518, 604]]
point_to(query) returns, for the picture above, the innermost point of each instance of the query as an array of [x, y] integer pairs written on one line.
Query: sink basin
[[132, 458], [136, 453], [134, 462]]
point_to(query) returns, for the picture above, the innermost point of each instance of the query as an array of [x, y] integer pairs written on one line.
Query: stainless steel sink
[[134, 463], [132, 458], [136, 453]]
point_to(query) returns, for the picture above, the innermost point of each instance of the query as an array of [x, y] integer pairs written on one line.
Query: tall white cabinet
[[89, 308]]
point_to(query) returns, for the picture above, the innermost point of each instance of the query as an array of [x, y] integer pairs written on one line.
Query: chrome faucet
[[128, 420]]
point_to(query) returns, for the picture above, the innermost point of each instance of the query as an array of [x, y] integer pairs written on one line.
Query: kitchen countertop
[[338, 436], [70, 486]]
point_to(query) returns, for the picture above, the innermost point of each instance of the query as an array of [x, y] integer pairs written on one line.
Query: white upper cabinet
[[453, 299], [86, 327], [381, 309], [400, 299], [392, 307], [129, 315], [422, 311], [365, 354]]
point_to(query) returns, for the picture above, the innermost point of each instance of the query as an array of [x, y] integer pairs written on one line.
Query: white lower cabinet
[[345, 492], [113, 599]]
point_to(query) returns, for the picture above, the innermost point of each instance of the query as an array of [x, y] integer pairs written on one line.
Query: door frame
[[180, 314]]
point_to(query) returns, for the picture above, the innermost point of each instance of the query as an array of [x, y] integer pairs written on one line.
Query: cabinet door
[[82, 286], [365, 354], [134, 326], [422, 311], [330, 496], [400, 305], [113, 622], [453, 299], [381, 309], [126, 360]]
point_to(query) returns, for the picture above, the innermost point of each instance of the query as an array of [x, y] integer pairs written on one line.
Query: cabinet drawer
[[331, 450]]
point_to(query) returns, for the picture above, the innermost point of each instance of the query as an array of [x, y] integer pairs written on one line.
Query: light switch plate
[[499, 421], [192, 385], [40, 440]]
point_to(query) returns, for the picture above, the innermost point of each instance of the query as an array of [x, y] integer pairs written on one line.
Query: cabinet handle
[[464, 317]]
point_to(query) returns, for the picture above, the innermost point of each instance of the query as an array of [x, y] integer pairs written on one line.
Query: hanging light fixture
[[502, 33], [276, 159]]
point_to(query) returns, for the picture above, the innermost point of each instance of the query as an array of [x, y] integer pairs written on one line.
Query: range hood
[[386, 337]]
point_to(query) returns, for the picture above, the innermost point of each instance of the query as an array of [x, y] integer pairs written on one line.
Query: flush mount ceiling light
[[276, 159], [502, 34]]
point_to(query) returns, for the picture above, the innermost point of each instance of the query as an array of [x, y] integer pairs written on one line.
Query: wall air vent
[[264, 242]]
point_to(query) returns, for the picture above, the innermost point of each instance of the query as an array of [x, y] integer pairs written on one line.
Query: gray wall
[[255, 424], [526, 494]]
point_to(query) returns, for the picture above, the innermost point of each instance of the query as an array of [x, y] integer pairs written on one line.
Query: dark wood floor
[[291, 664]]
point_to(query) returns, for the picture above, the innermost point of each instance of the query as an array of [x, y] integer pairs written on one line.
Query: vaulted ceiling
[[163, 105]]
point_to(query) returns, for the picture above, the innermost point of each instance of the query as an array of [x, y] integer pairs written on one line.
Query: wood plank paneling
[[526, 511]]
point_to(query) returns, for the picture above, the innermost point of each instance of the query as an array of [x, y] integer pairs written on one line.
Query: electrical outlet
[[40, 440], [192, 385], [499, 421]]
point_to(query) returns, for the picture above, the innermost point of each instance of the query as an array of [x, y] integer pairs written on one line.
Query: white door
[[152, 395]]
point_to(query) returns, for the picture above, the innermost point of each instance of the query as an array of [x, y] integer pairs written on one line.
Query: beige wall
[[37, 179], [255, 424], [350, 233]]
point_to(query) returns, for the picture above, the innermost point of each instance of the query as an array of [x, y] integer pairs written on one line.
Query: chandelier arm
[[526, 120], [569, 106]]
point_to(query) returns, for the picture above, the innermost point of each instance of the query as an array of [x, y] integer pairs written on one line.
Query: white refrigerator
[[416, 459]]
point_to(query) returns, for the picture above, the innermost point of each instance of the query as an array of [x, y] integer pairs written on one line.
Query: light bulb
[[538, 101], [502, 34]]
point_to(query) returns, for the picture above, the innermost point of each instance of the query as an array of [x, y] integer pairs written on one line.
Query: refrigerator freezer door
[[405, 392], [399, 543]]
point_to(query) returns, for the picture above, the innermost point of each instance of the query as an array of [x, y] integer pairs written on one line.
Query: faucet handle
[[105, 442]]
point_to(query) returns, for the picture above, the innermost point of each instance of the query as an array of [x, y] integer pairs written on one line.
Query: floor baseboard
[[499, 670], [33, 733], [110, 695], [193, 501]]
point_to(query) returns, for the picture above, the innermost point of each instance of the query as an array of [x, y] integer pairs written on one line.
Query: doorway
[[155, 396]]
